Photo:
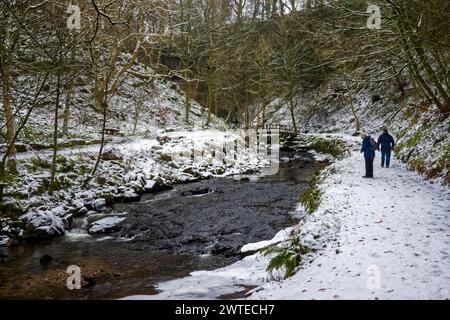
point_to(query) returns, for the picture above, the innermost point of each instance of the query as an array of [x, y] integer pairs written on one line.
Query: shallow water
[[197, 226]]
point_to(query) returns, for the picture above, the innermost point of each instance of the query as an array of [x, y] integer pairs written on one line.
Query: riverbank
[[386, 238]]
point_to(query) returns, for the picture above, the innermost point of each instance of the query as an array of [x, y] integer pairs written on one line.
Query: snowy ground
[[394, 235], [387, 238]]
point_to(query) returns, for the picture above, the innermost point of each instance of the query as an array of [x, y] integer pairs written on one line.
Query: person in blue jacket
[[386, 143], [369, 154]]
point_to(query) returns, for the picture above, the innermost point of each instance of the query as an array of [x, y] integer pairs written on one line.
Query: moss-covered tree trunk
[[55, 137], [7, 109], [292, 112], [69, 97]]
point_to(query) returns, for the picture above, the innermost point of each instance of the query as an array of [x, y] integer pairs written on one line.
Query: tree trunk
[[408, 48], [281, 7], [52, 186], [210, 101], [104, 106], [264, 108], [216, 105], [352, 107], [247, 117], [187, 105], [293, 5], [69, 96], [440, 61], [308, 5], [21, 125], [6, 94], [66, 118], [292, 111], [416, 71], [136, 120], [429, 70], [187, 92]]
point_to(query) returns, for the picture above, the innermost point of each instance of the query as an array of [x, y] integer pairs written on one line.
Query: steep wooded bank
[[235, 58], [322, 66], [422, 135]]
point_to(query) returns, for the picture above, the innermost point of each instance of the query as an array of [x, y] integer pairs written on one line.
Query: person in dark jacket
[[369, 155], [386, 143]]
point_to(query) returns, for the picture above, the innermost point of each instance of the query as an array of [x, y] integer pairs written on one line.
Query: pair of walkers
[[385, 144]]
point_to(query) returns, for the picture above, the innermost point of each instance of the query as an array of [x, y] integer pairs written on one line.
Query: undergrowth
[[312, 197], [287, 258]]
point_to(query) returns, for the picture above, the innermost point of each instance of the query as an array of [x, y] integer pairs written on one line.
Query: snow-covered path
[[393, 243]]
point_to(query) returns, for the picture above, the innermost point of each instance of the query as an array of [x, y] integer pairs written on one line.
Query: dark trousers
[[385, 158], [369, 168]]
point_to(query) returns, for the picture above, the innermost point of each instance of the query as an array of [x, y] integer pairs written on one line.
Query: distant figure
[[386, 143], [369, 146]]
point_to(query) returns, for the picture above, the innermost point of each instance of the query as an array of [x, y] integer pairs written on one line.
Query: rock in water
[[94, 216], [82, 211], [88, 282], [4, 242], [45, 259], [67, 220], [130, 196], [150, 186], [106, 225], [195, 192]]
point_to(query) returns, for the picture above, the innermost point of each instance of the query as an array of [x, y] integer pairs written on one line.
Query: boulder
[[161, 184], [196, 192], [95, 217], [185, 178], [112, 155], [206, 175], [5, 241], [189, 170], [45, 259], [136, 176], [99, 204], [130, 196], [163, 139], [47, 232], [150, 186], [67, 220], [219, 170], [136, 186], [106, 225], [82, 212], [43, 225], [70, 143]]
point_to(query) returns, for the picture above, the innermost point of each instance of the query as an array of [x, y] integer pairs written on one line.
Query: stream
[[196, 226]]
